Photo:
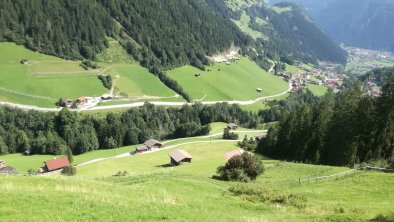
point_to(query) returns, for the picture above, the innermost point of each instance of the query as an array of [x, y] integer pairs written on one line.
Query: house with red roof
[[55, 164]]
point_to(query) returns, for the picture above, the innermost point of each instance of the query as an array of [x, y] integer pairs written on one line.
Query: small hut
[[24, 61], [259, 90], [148, 146], [179, 157], [6, 169], [232, 126]]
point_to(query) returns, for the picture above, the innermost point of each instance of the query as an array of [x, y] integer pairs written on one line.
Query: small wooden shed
[[179, 157]]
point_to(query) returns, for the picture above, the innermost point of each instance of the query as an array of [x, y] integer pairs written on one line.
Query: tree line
[[54, 133], [343, 129]]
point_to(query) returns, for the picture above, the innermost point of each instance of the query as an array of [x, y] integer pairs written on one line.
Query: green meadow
[[155, 192], [136, 81], [237, 81], [44, 79]]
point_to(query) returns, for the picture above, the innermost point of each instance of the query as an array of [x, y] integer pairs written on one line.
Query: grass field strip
[[336, 176], [25, 94], [217, 134], [65, 73]]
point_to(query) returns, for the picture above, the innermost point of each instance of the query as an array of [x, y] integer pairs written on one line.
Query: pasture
[[237, 81], [136, 81], [44, 79], [188, 192]]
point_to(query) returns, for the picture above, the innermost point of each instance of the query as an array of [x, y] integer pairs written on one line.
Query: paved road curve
[[138, 104]]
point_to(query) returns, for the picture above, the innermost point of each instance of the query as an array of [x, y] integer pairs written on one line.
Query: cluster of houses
[[373, 89], [84, 100]]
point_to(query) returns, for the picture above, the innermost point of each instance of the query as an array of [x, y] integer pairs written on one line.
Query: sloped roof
[[151, 143], [142, 148], [232, 125], [57, 164], [230, 154], [179, 155], [7, 169]]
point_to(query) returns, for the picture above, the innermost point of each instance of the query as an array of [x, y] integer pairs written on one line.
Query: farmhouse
[[67, 102], [179, 157], [81, 99], [148, 146], [55, 164], [230, 154], [6, 169], [259, 90], [232, 126]]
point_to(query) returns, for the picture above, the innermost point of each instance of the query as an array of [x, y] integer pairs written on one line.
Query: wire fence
[[337, 176]]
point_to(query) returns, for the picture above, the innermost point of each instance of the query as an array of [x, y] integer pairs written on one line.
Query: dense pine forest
[[160, 35], [53, 133], [343, 129]]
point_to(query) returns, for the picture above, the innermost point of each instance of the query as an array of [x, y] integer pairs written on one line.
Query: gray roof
[[232, 125], [7, 169], [142, 148], [179, 155], [151, 143]]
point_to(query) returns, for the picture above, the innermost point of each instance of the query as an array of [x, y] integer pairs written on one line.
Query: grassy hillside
[[136, 81], [44, 79], [154, 192], [237, 81]]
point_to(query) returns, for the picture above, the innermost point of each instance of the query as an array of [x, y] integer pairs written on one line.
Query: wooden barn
[[232, 126], [179, 157], [148, 146], [55, 164], [6, 169]]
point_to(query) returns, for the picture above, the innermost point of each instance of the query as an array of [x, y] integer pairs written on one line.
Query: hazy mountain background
[[359, 23]]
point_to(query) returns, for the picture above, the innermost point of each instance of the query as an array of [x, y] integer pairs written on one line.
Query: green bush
[[227, 135], [69, 171], [241, 168]]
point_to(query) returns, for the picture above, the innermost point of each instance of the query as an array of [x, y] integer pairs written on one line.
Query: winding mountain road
[[138, 104]]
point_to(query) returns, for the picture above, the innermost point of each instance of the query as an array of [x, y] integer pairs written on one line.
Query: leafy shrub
[[69, 171], [106, 80], [249, 145], [121, 174], [383, 218], [241, 168], [86, 64], [227, 135]]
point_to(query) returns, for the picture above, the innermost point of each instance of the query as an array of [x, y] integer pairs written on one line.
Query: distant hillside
[[359, 23], [285, 31]]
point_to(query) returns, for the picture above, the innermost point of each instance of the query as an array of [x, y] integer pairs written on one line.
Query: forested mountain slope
[[359, 23], [160, 34], [291, 32]]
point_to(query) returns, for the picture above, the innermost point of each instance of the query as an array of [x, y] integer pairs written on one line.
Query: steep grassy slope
[[44, 79], [237, 81], [157, 193]]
